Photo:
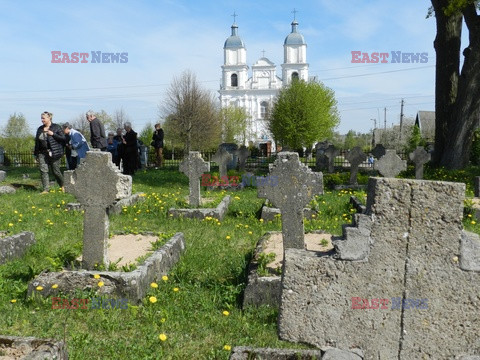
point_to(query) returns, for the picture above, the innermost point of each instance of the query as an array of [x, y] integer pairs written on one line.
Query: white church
[[256, 92]]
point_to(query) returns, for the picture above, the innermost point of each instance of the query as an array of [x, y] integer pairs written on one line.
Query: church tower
[[234, 69], [295, 64]]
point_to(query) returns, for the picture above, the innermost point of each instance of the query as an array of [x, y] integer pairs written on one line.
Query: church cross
[[234, 17], [295, 11]]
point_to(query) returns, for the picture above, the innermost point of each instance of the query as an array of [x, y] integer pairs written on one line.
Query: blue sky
[[165, 37]]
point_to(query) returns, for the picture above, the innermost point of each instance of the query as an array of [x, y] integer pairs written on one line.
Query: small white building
[[256, 92]]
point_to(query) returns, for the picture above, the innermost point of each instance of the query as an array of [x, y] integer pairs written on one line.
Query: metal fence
[[174, 158]]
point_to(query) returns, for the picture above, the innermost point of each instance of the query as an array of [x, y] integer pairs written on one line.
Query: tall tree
[[303, 113], [234, 124], [191, 112], [81, 124], [457, 92], [16, 135]]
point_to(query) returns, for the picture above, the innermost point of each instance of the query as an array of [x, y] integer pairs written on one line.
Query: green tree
[[234, 124], [16, 135], [191, 115], [146, 134], [414, 140], [457, 90], [303, 113], [350, 141]]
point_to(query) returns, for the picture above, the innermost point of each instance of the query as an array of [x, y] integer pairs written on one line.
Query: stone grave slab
[[31, 348], [194, 166], [222, 157], [15, 246], [399, 287], [331, 153], [201, 213], [419, 157], [297, 184], [321, 159], [355, 157], [3, 175], [242, 153], [390, 165], [95, 200], [378, 151]]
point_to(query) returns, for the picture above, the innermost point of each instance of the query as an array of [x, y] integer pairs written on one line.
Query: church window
[[234, 80], [263, 109], [294, 76]]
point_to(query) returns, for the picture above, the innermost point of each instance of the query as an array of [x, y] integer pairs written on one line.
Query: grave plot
[[96, 200], [355, 157], [194, 166], [403, 284]]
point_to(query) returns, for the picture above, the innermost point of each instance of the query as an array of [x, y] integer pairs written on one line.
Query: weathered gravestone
[[194, 166], [419, 158], [415, 295], [331, 153], [476, 186], [321, 159], [3, 175], [296, 185], [96, 195], [390, 165], [243, 153], [222, 157], [379, 151], [355, 157]]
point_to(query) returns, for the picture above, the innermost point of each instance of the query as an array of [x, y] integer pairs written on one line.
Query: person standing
[[157, 142], [97, 132], [77, 144], [130, 150], [49, 144], [119, 151]]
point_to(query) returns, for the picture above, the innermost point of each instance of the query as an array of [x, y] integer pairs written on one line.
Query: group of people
[[52, 141]]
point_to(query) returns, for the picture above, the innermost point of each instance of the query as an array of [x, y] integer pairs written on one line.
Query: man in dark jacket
[[157, 142], [49, 145], [97, 132], [130, 150]]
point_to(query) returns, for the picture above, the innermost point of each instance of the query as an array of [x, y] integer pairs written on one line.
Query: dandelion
[[10, 224], [15, 212], [96, 276], [176, 289], [261, 220], [165, 278], [250, 233], [225, 313], [39, 288], [227, 237], [100, 283], [237, 197], [219, 223], [162, 320], [473, 222], [13, 301], [246, 226], [154, 285], [227, 347], [152, 299], [54, 286], [162, 337]]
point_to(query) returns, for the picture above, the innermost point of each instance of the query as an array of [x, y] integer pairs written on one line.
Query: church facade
[[256, 91]]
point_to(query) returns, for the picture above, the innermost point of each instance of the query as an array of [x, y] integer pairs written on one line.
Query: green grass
[[210, 277]]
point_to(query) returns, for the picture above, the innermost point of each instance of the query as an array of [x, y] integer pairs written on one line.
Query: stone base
[[117, 206], [218, 213], [15, 347], [246, 353], [15, 246], [270, 213], [131, 285], [5, 189]]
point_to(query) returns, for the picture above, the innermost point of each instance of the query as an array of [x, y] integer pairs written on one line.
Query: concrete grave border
[[201, 213], [131, 285]]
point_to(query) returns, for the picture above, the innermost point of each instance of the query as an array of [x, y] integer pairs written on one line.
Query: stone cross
[[222, 157], [96, 183], [331, 153], [390, 164], [355, 157], [194, 166], [378, 151], [243, 153], [419, 158], [295, 186]]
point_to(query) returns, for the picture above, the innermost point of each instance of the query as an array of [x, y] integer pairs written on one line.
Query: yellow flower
[[96, 276], [165, 278], [54, 286], [10, 224], [225, 312], [162, 320], [162, 337], [237, 197], [13, 301], [250, 233], [39, 288], [473, 222], [227, 347], [176, 289], [16, 212], [100, 284], [152, 299], [228, 237], [154, 285], [261, 220]]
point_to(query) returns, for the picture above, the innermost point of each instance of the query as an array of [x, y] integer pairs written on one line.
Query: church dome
[[295, 38], [234, 41]]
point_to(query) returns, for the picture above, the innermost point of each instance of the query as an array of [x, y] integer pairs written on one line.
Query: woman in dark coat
[[130, 150], [158, 145], [49, 147]]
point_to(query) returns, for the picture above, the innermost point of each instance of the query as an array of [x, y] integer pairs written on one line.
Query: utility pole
[[374, 123], [401, 119], [385, 118]]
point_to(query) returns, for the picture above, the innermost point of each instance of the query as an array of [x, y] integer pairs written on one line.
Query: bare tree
[[190, 113], [119, 119], [81, 124]]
